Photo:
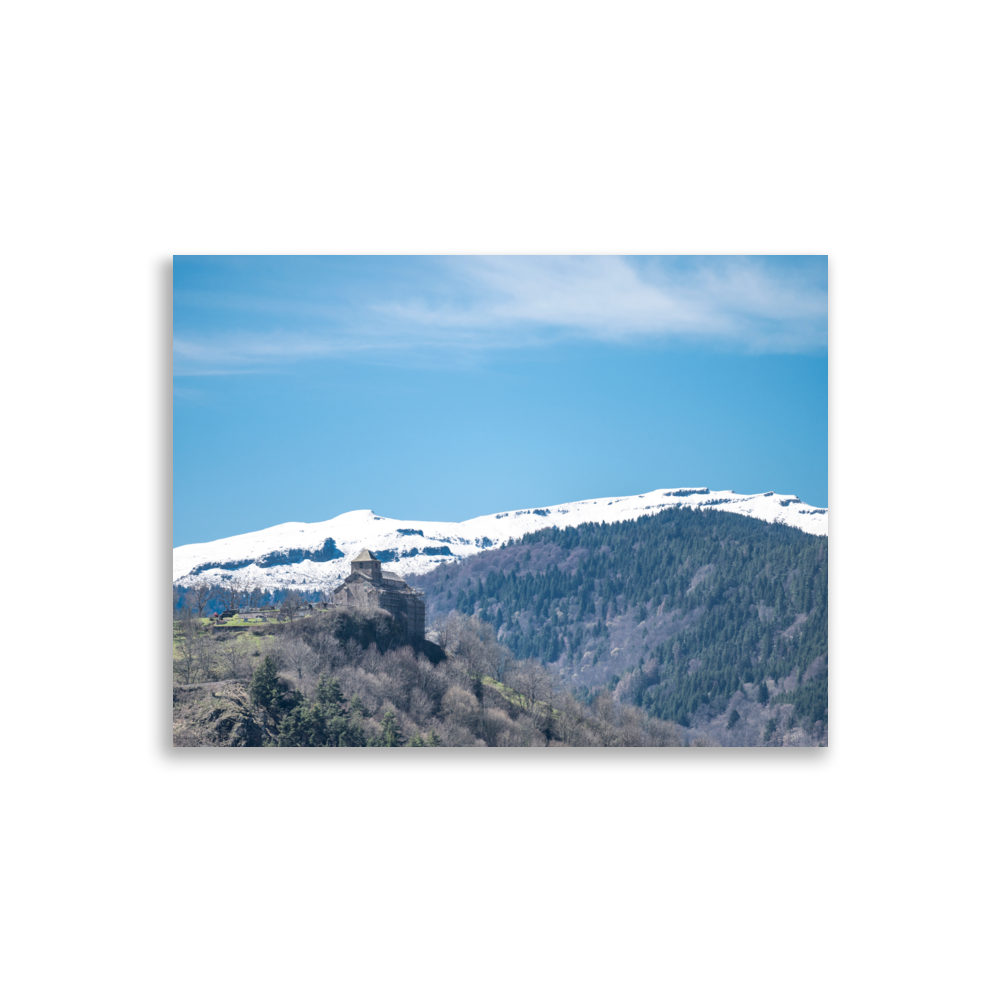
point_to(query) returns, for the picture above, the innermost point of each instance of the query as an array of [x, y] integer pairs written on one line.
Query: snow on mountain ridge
[[314, 556]]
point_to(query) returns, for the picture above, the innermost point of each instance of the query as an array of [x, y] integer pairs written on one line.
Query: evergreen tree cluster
[[322, 720], [752, 597]]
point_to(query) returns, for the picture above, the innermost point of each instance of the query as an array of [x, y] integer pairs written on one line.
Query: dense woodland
[[682, 627], [681, 613]]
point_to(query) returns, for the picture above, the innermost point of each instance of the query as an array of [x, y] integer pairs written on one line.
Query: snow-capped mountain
[[314, 556]]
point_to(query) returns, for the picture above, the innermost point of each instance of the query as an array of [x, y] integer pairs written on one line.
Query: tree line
[[749, 597]]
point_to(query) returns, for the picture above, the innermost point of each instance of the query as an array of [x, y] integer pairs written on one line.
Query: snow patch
[[317, 556]]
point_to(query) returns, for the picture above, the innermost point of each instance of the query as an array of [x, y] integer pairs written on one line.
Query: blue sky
[[442, 388]]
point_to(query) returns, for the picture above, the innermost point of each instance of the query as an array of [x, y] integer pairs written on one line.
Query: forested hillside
[[704, 618], [348, 678], [682, 628]]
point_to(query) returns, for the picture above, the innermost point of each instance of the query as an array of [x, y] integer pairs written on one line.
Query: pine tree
[[390, 734], [328, 693], [265, 688], [303, 726]]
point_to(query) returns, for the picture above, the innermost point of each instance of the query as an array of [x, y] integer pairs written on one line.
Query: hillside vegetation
[[348, 679], [685, 627], [714, 621]]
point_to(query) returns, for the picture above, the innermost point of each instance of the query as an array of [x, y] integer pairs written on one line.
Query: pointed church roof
[[364, 556]]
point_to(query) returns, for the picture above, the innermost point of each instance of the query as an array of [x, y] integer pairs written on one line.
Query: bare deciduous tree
[[184, 662], [195, 654], [531, 680], [236, 656], [605, 716], [253, 597], [459, 705], [662, 734], [631, 729], [475, 642], [231, 591], [199, 595], [493, 724], [299, 657], [500, 661], [291, 605], [448, 629]]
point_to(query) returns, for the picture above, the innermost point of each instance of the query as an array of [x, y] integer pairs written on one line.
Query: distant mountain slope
[[687, 613], [315, 556]]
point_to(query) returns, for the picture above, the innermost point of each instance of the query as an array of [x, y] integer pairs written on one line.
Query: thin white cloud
[[601, 295], [491, 303], [611, 298]]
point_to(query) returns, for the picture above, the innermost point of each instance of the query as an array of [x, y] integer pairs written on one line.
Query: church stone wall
[[405, 604], [407, 608]]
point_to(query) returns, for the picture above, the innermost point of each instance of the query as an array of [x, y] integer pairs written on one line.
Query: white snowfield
[[315, 556]]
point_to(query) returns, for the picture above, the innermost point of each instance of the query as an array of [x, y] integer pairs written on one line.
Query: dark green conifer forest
[[675, 612]]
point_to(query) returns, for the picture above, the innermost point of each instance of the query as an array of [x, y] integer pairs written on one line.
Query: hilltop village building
[[370, 586]]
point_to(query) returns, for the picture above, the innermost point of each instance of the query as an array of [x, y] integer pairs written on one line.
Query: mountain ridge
[[301, 555]]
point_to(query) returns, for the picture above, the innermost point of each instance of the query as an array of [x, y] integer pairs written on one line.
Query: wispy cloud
[[613, 298], [470, 305]]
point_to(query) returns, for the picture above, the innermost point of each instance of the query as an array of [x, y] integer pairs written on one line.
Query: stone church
[[369, 586]]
